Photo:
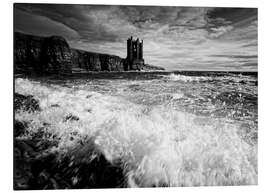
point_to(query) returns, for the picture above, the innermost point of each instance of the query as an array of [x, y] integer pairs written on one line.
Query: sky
[[176, 38]]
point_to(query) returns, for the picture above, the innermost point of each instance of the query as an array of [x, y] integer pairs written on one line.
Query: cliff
[[52, 55], [41, 55], [90, 61]]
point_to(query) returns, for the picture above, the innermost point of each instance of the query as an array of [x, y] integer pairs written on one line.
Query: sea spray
[[156, 145], [183, 78]]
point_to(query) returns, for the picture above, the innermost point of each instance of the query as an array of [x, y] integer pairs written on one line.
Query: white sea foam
[[231, 77], [158, 145], [183, 78]]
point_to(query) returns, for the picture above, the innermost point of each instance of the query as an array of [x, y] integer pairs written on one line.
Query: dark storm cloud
[[74, 17], [175, 37], [220, 16]]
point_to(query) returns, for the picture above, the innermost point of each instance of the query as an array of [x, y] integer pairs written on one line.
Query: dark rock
[[22, 174], [111, 63], [56, 56], [81, 167], [90, 61], [27, 53], [85, 60], [27, 152], [19, 128], [71, 117], [101, 173], [40, 55], [25, 103], [55, 105]]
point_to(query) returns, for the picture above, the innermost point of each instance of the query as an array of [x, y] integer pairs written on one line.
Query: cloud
[[217, 32], [250, 64], [237, 56], [25, 22], [174, 37]]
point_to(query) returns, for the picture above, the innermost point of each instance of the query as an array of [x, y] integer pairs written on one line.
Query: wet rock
[[19, 128], [81, 167], [25, 103], [55, 105], [46, 124], [101, 173], [27, 153], [88, 96], [23, 154], [71, 117], [243, 82], [22, 175]]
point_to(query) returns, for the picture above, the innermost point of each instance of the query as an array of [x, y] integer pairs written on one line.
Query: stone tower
[[134, 59]]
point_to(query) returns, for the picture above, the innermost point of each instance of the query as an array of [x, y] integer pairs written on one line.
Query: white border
[[6, 86]]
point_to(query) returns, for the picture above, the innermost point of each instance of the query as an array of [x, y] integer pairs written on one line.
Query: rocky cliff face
[[52, 55], [90, 61], [56, 55], [27, 51]]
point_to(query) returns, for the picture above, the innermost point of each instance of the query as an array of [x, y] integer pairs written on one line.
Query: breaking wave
[[184, 78], [157, 146], [237, 78]]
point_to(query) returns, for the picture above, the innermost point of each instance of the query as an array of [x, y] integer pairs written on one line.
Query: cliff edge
[[53, 55]]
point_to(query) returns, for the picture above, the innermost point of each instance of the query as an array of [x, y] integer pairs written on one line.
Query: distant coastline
[[53, 55]]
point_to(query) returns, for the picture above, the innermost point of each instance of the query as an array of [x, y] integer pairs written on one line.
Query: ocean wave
[[157, 146], [184, 78], [237, 78]]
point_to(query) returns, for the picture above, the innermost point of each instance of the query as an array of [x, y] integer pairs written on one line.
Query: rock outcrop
[[56, 56], [25, 103], [52, 55], [90, 61], [33, 54], [27, 52]]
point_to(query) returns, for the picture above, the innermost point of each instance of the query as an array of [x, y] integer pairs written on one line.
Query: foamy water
[[173, 131]]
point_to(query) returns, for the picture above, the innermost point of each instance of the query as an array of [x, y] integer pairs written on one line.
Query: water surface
[[173, 129]]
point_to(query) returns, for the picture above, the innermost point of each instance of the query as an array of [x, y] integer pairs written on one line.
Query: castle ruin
[[134, 59]]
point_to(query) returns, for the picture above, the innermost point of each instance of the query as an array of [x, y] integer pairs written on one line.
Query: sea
[[182, 128]]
